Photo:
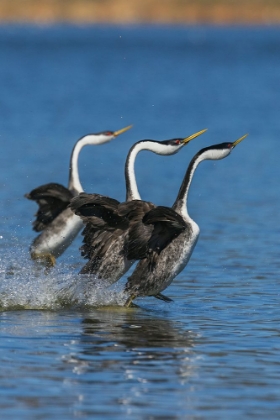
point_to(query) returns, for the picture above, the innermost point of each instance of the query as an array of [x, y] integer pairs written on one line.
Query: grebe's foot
[[48, 260], [129, 301], [162, 297]]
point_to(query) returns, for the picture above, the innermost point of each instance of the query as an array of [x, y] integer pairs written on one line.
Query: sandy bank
[[138, 11]]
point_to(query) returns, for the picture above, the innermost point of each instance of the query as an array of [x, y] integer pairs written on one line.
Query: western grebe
[[173, 237], [58, 224]]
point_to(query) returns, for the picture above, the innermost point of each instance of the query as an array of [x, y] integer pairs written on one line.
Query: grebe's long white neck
[[165, 147], [218, 151], [132, 192], [74, 183]]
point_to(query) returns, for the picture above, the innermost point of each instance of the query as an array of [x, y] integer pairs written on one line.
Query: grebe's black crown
[[173, 142], [170, 142], [106, 133]]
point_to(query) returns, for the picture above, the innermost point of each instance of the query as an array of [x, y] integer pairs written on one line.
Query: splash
[[27, 285]]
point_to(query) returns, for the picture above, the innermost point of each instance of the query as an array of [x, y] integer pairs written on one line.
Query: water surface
[[68, 348]]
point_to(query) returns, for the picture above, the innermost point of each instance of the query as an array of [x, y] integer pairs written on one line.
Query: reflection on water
[[133, 332], [128, 357], [149, 351]]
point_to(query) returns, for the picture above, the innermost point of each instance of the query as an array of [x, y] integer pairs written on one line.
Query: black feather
[[167, 226], [52, 200]]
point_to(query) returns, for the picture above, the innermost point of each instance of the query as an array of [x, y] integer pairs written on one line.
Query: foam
[[25, 284]]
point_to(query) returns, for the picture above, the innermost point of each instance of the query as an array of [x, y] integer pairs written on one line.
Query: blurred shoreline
[[217, 12]]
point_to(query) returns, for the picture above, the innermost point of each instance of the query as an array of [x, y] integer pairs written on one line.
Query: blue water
[[68, 349]]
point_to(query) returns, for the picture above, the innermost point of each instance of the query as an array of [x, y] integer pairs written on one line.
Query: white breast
[[187, 249], [58, 235], [178, 255]]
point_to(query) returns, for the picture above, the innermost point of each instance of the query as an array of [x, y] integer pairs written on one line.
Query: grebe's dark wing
[[52, 200], [103, 224], [167, 226], [95, 206], [138, 233]]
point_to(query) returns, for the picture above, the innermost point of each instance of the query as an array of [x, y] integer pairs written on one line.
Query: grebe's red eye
[[229, 145], [178, 141], [108, 133]]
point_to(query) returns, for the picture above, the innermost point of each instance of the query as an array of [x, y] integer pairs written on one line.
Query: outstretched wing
[[96, 209], [167, 226], [52, 199], [103, 225]]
